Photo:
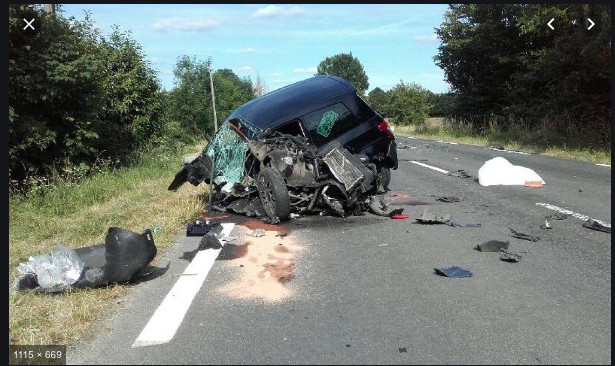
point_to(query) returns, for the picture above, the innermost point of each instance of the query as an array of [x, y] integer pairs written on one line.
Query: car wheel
[[386, 177], [273, 194]]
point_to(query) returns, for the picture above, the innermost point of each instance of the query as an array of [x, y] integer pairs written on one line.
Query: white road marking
[[571, 213], [607, 165], [510, 151], [430, 167], [168, 317], [446, 142]]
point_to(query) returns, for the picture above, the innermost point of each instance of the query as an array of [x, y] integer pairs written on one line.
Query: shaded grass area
[[513, 139], [79, 215]]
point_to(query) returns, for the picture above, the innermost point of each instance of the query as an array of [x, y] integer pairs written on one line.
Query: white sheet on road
[[499, 171]]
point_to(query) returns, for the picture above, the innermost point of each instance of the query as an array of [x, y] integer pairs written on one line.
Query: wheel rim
[[267, 195]]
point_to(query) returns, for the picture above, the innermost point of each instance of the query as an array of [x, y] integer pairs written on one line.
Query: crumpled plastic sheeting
[[499, 171], [54, 272]]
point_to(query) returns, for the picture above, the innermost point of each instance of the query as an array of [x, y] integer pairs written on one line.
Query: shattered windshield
[[228, 150]]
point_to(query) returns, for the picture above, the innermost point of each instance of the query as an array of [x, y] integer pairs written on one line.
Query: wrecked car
[[313, 146]]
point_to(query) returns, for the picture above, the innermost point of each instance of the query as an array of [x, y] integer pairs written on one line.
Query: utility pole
[[50, 9], [213, 96]]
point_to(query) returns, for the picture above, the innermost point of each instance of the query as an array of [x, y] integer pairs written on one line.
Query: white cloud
[[185, 24], [246, 68], [426, 39], [307, 70], [156, 61], [249, 50], [271, 11], [276, 75]]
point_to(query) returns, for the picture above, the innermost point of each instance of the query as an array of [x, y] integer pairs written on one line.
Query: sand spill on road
[[264, 264]]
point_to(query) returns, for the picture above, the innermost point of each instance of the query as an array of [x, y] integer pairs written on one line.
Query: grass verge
[[436, 129], [79, 215]]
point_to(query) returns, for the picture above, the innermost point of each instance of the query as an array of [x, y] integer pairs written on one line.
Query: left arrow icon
[[549, 24]]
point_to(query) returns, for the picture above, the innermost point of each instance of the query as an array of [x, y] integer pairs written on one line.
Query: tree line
[[508, 69], [77, 96]]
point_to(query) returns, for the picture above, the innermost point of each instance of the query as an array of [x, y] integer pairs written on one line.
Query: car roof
[[271, 108]]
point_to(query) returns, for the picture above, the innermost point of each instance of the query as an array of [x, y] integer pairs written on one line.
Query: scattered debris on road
[[557, 216], [523, 236], [499, 171], [120, 259], [492, 246], [199, 227], [258, 233], [594, 225], [546, 225], [448, 199], [454, 272], [533, 184], [428, 218], [508, 256], [460, 173], [457, 224]]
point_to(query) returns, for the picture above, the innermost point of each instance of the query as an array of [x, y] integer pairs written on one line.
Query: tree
[[407, 103], [505, 64], [75, 95], [133, 107], [377, 99], [346, 66], [190, 99]]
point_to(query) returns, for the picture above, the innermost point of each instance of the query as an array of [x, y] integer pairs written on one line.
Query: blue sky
[[283, 43]]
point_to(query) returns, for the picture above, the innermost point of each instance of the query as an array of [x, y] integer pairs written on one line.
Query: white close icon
[[29, 24]]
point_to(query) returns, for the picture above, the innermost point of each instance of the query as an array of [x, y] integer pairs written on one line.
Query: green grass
[[518, 140], [79, 215]]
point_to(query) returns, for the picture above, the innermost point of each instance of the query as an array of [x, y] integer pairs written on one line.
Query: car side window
[[292, 128], [327, 123]]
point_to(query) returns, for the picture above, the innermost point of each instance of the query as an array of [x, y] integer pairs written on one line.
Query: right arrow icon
[[591, 22]]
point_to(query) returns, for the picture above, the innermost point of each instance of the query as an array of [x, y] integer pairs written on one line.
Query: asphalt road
[[363, 290]]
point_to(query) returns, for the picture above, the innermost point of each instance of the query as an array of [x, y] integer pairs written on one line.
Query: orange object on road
[[533, 184]]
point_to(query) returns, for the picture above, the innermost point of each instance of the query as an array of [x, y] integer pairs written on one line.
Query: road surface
[[363, 289]]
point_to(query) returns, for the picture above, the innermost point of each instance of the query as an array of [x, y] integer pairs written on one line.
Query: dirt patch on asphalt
[[264, 264]]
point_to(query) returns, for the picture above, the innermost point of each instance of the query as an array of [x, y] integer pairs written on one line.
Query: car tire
[[273, 193], [386, 177]]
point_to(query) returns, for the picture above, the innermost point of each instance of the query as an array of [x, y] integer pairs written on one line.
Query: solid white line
[[571, 213], [510, 151], [168, 317], [607, 165], [429, 166]]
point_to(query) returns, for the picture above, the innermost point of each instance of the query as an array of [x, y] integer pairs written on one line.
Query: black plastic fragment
[[595, 225], [492, 246], [523, 236], [448, 199], [199, 227], [507, 256], [460, 173]]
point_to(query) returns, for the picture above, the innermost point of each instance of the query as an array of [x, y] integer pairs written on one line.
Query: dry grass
[[78, 216], [437, 129]]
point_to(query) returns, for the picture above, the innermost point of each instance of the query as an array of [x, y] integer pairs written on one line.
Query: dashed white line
[[607, 165], [571, 213], [509, 151], [170, 313], [430, 167]]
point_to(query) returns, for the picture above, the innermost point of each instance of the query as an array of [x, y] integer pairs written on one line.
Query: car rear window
[[327, 123]]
